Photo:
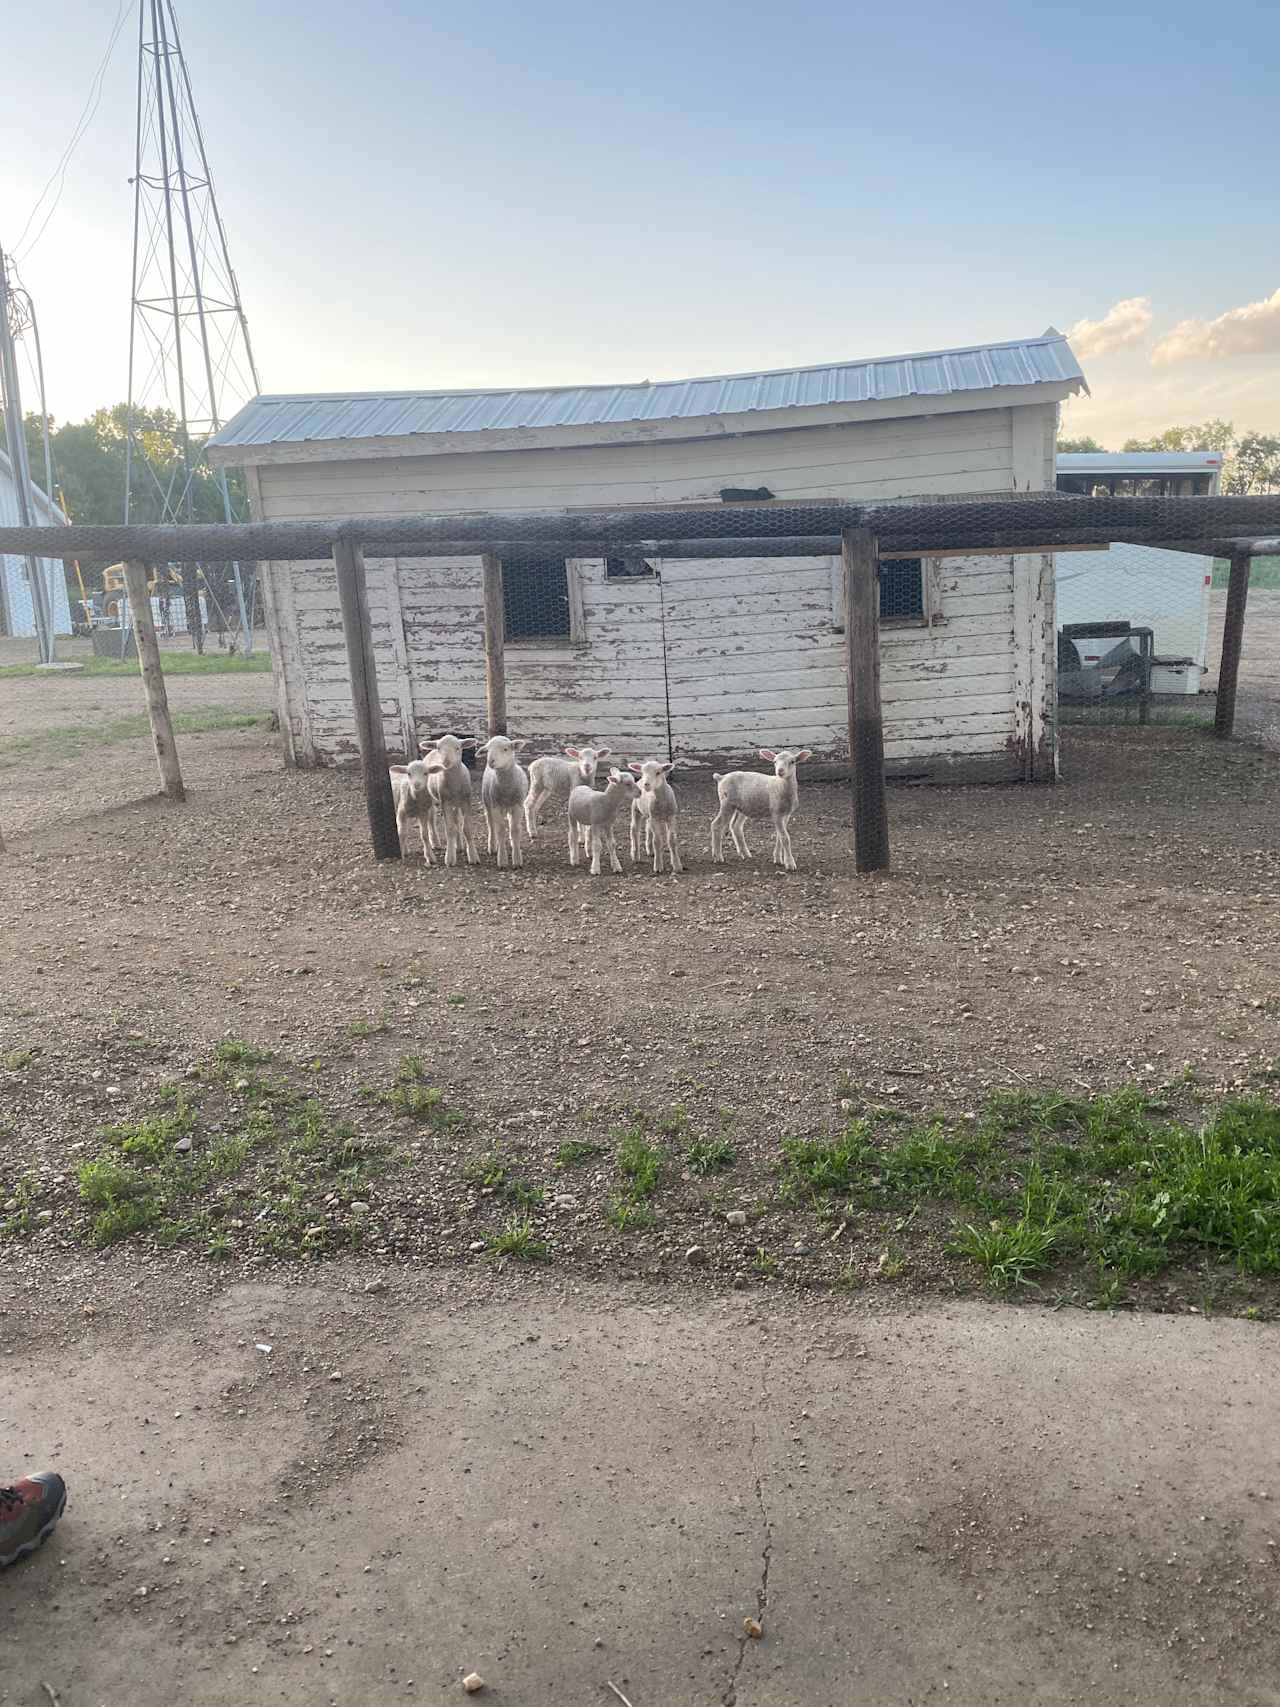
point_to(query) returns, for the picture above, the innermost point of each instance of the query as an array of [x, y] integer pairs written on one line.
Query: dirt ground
[[561, 1487], [1111, 929]]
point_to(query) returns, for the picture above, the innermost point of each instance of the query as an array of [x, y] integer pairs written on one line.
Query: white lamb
[[596, 811], [552, 775], [747, 794], [449, 782], [504, 788], [411, 791], [656, 810]]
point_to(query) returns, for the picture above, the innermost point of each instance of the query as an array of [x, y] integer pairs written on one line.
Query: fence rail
[[1027, 522], [864, 534]]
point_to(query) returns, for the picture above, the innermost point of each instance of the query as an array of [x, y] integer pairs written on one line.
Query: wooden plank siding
[[713, 658]]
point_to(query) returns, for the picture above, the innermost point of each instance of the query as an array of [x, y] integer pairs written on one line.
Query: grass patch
[[189, 663], [494, 1171], [367, 1027], [65, 742], [1007, 1255], [273, 1171], [233, 1053], [1263, 572], [627, 1215], [710, 1156], [412, 1097], [17, 1207], [639, 1161], [1127, 1184], [574, 1151], [519, 1239], [18, 1059]]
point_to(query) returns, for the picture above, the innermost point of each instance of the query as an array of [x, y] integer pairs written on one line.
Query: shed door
[[753, 657]]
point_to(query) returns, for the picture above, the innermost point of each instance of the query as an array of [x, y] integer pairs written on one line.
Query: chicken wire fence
[[965, 603]]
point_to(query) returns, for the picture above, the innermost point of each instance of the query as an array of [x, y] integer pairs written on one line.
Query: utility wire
[[90, 108]]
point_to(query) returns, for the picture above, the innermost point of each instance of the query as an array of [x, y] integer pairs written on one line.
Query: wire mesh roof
[[302, 419]]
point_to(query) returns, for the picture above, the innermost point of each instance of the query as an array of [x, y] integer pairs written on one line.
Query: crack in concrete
[[730, 1697]]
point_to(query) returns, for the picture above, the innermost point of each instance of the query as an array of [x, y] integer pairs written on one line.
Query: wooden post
[[495, 641], [136, 586], [1224, 716], [866, 726], [353, 595]]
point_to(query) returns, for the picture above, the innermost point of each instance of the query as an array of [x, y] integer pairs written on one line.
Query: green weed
[[1008, 1255], [233, 1053], [627, 1215], [519, 1239], [574, 1151], [413, 1098], [710, 1155]]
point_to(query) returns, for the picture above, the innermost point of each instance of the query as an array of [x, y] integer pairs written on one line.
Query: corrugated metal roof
[[938, 373], [1138, 461]]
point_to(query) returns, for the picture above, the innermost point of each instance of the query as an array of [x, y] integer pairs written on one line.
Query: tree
[[89, 459], [1070, 447], [1217, 436], [1255, 466]]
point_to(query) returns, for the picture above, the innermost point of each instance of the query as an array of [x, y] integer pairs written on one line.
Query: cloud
[[1253, 330], [1123, 324]]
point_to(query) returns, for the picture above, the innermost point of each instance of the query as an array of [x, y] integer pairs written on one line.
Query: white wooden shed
[[701, 660]]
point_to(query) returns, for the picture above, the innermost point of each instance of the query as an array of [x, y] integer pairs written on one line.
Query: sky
[[424, 195]]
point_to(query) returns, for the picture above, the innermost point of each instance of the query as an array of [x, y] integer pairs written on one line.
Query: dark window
[[535, 597], [901, 589], [628, 569]]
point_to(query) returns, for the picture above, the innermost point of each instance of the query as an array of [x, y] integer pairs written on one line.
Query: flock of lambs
[[435, 790]]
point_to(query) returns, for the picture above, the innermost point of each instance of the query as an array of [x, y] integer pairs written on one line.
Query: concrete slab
[[559, 1490]]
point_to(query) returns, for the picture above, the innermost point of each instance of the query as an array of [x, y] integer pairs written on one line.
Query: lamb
[[656, 810], [504, 788], [551, 775], [747, 794], [411, 791], [596, 811], [449, 782]]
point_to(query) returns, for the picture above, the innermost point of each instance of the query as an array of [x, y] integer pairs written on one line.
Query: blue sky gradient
[[511, 194]]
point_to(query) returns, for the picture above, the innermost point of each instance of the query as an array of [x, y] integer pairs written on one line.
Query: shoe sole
[[38, 1540]]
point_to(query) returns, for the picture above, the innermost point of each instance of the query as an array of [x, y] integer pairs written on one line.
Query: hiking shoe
[[29, 1511]]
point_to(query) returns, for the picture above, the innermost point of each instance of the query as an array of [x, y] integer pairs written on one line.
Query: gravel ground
[[1109, 930]]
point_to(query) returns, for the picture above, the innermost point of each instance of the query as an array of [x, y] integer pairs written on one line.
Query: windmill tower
[[189, 350]]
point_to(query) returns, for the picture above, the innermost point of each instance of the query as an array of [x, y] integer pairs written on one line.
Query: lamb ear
[[768, 754], [518, 746], [667, 769], [603, 752], [427, 746], [571, 753], [633, 766], [804, 754], [399, 770]]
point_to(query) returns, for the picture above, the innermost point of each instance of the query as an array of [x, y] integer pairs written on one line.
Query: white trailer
[[1165, 591]]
